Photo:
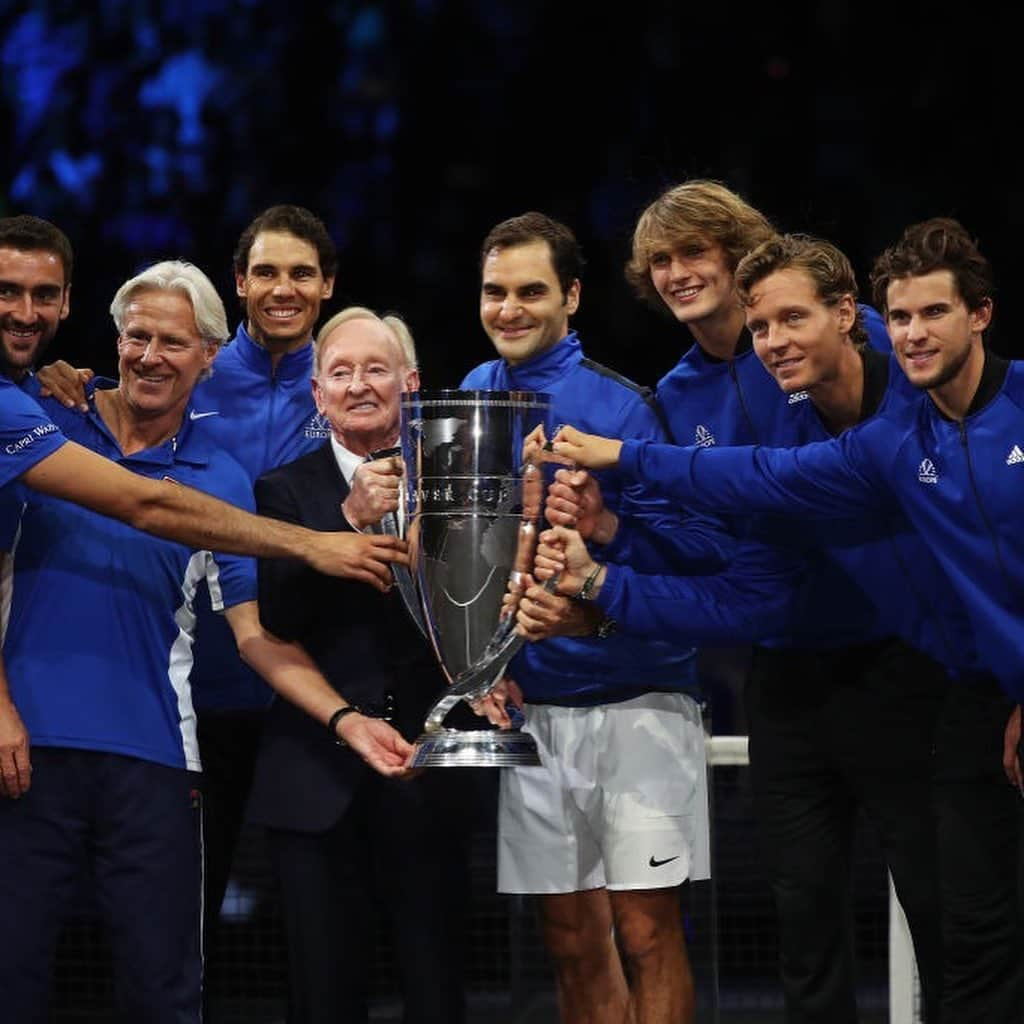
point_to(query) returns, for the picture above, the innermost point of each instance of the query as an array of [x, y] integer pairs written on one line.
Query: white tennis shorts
[[619, 802]]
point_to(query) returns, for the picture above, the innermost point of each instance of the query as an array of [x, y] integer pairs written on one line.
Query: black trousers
[[133, 828], [228, 743], [832, 733], [401, 849], [980, 818]]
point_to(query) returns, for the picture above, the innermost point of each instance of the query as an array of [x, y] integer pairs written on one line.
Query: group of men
[[902, 521], [875, 651], [100, 746]]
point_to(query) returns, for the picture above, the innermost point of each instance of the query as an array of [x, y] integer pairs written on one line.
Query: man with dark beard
[[35, 293]]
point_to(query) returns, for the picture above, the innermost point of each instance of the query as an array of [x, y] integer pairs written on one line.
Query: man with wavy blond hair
[[825, 661]]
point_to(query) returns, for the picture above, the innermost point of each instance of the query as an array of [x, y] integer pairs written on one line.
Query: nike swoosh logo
[[658, 863], [193, 415]]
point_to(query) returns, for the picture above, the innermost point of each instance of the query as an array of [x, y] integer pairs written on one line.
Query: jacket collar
[[744, 344], [876, 381], [993, 376], [294, 365], [547, 368]]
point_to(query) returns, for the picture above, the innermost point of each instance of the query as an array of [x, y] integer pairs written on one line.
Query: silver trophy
[[472, 514]]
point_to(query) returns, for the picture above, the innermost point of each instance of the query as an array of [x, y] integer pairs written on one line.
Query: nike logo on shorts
[[658, 863]]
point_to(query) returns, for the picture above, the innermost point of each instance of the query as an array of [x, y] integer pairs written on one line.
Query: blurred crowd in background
[[151, 130]]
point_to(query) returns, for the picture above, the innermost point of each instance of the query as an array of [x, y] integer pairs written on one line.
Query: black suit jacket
[[362, 640]]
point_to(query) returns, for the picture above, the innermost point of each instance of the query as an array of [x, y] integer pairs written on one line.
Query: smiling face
[[361, 376], [935, 336], [800, 339], [283, 288], [34, 298], [161, 354], [693, 279], [522, 307]]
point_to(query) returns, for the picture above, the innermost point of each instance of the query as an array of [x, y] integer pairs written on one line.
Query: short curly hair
[[939, 243]]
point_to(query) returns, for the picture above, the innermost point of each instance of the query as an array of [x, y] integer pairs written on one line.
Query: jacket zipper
[[743, 404], [984, 515]]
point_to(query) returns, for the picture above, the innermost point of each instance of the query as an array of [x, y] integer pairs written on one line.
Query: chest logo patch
[[703, 437], [927, 473], [318, 426], [1016, 456]]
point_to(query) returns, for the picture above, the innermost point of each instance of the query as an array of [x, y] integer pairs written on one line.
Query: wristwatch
[[583, 594], [332, 722], [606, 627]]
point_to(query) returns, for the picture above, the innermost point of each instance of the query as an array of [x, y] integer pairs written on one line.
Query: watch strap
[[332, 722], [583, 594]]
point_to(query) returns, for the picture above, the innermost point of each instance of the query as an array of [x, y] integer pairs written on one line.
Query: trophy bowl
[[472, 514]]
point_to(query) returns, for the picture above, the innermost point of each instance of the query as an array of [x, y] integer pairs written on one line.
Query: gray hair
[[177, 276], [396, 326]]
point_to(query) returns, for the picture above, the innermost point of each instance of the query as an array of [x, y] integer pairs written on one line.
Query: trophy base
[[476, 748]]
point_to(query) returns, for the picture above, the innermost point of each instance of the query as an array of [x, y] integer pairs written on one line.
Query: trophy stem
[[478, 748], [472, 685]]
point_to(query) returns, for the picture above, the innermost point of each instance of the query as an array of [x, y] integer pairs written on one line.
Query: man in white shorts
[[615, 820], [619, 804]]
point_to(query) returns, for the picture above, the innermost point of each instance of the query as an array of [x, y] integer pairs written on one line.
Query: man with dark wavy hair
[[259, 407]]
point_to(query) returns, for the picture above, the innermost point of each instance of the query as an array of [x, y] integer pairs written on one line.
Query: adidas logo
[[798, 396], [1015, 457], [318, 426], [926, 472], [703, 437]]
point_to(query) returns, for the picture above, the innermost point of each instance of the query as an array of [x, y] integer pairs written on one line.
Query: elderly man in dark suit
[[341, 837]]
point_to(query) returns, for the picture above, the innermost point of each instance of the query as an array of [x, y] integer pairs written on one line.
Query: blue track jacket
[[586, 671], [959, 483]]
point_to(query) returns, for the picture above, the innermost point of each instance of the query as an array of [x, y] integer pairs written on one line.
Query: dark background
[[151, 130]]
